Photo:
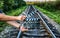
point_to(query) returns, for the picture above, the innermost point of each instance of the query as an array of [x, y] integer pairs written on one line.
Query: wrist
[[18, 18]]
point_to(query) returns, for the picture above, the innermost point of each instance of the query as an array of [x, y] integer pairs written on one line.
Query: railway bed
[[38, 26]]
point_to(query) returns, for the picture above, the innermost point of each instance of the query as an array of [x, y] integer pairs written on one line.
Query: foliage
[[53, 15], [51, 9], [1, 4], [12, 4], [50, 6]]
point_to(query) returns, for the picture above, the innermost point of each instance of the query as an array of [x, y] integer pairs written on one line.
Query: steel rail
[[19, 34], [46, 25]]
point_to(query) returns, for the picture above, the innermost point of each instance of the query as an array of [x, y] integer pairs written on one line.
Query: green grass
[[16, 12], [53, 15], [12, 13]]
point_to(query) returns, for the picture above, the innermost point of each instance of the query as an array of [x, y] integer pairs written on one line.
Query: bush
[[50, 6], [12, 4]]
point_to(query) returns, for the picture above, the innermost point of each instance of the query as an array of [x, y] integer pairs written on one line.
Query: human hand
[[23, 29], [21, 17]]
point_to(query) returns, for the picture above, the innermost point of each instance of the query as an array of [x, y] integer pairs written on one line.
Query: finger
[[22, 27], [25, 29], [24, 16]]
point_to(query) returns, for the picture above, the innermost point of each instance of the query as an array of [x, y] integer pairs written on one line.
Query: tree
[[12, 4], [6, 6]]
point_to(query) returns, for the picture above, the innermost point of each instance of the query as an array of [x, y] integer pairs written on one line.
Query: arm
[[13, 23], [8, 18], [4, 17]]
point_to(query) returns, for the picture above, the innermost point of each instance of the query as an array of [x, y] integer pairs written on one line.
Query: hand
[[21, 18], [23, 29]]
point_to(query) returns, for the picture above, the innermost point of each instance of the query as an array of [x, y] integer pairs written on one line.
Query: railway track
[[38, 26]]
